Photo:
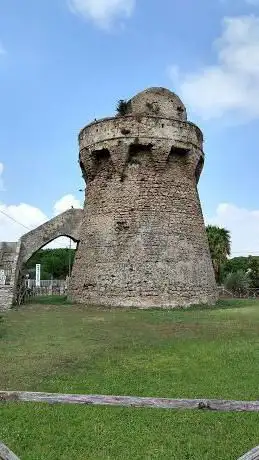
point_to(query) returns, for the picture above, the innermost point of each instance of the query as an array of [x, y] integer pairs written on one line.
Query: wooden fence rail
[[131, 401], [252, 455], [6, 454]]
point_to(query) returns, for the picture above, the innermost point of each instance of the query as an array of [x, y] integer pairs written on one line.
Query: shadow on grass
[[221, 304], [50, 300], [227, 304]]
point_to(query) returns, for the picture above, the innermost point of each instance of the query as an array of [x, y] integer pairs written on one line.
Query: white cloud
[[243, 225], [65, 203], [25, 214], [231, 85], [102, 12], [1, 179], [62, 242], [31, 217], [62, 205]]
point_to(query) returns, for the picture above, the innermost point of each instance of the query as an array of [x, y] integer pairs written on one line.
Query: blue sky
[[63, 63]]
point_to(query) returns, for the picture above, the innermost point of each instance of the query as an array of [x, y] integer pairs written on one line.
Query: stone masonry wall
[[8, 260], [143, 241], [6, 297], [14, 255], [157, 102], [66, 224]]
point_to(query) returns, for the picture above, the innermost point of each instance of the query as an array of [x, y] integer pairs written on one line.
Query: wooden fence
[[47, 283], [45, 291], [129, 401], [6, 454], [249, 293], [30, 291]]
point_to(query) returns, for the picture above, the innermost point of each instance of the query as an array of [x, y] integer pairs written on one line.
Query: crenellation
[[143, 241], [141, 235], [112, 129]]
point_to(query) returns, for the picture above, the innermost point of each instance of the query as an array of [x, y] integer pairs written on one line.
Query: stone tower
[[143, 241]]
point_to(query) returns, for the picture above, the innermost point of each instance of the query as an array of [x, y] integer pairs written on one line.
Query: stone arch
[[66, 224]]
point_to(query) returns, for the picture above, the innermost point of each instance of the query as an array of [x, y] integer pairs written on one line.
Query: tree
[[237, 282], [122, 107], [219, 244], [248, 264], [54, 263], [235, 264], [253, 269]]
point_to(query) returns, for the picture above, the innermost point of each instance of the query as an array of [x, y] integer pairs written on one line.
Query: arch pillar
[[66, 224]]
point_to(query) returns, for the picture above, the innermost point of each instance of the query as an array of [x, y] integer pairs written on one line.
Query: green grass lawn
[[212, 353]]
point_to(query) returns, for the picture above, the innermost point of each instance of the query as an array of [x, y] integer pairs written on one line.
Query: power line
[[27, 228], [16, 221], [251, 252]]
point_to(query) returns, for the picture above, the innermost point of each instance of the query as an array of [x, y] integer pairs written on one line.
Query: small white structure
[[37, 275], [2, 278]]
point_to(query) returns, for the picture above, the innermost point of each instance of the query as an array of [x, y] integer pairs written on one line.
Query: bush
[[248, 264], [122, 107], [238, 282]]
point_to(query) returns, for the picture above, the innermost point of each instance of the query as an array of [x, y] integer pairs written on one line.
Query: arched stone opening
[[55, 260], [67, 224], [46, 245]]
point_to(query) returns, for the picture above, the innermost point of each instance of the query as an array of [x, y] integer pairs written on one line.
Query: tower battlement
[[155, 124], [143, 241]]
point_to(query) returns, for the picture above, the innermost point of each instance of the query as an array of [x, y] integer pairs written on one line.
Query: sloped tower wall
[[143, 241]]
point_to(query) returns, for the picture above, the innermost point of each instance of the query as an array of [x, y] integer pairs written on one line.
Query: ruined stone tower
[[143, 241]]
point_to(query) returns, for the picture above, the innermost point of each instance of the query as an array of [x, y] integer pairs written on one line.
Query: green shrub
[[238, 282], [122, 107]]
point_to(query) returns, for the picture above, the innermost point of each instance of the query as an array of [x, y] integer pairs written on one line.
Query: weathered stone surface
[[142, 236], [158, 102], [6, 297], [143, 241], [14, 255], [66, 224], [8, 252], [8, 261]]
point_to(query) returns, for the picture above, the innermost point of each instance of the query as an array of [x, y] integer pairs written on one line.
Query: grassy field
[[211, 353]]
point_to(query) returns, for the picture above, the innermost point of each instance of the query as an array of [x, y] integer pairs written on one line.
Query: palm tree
[[220, 245]]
